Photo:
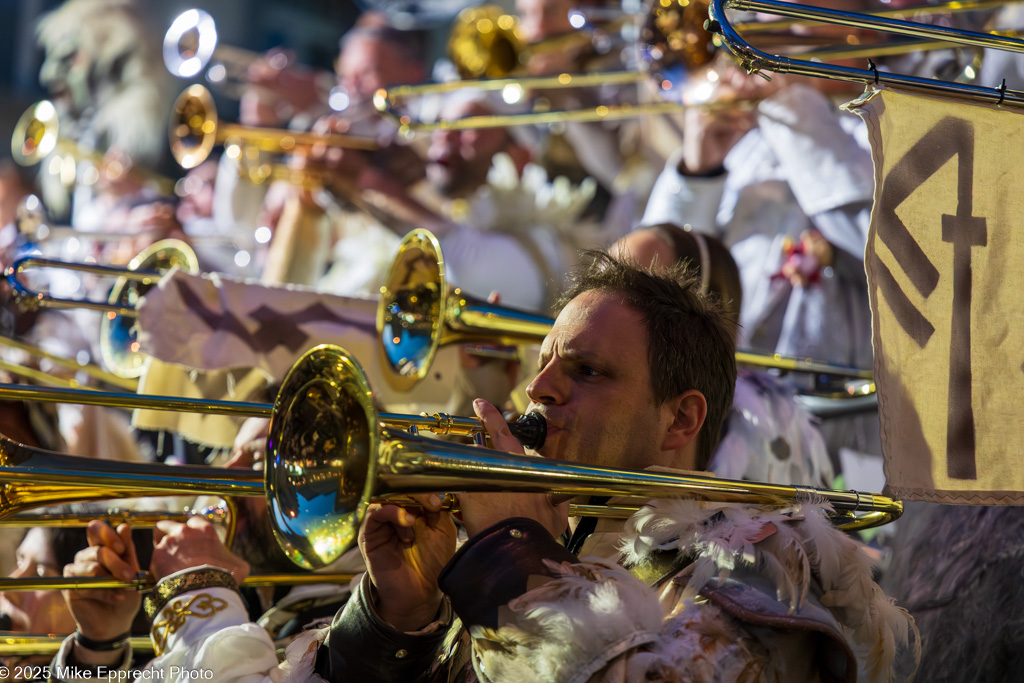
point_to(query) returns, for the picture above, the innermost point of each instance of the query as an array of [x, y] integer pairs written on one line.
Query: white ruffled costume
[[768, 596]]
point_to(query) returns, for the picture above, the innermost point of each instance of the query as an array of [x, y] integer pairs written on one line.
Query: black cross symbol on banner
[[276, 328], [950, 137]]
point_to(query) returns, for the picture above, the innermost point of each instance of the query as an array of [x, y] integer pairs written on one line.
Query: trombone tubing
[[755, 60], [26, 644], [145, 582], [138, 519], [30, 297], [409, 464], [957, 7], [89, 369], [442, 424]]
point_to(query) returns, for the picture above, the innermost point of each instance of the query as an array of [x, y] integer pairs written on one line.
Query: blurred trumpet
[[484, 41], [37, 136], [195, 130], [191, 46]]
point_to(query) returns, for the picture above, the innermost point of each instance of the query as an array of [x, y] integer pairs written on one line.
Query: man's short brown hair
[[691, 344]]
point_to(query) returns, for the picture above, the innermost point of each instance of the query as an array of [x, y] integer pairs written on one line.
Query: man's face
[[458, 161], [366, 65], [594, 386], [539, 19]]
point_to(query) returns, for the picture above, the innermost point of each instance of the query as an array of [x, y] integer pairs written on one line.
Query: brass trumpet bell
[[484, 42], [194, 130], [36, 134], [418, 313]]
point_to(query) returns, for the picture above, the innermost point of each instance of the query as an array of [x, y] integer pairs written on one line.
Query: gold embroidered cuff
[[178, 612], [168, 589]]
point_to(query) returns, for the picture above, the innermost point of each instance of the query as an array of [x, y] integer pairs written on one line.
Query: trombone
[[37, 135], [756, 61], [673, 41], [118, 336], [419, 312], [329, 457], [194, 131]]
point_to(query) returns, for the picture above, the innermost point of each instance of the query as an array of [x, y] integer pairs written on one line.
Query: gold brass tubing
[[42, 377], [30, 298], [110, 399], [774, 360], [25, 644], [89, 369], [139, 519], [438, 423], [385, 98], [410, 464], [284, 140], [866, 520], [144, 582], [907, 13]]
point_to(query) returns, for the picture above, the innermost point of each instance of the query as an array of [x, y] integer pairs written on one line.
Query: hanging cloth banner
[[945, 269], [212, 322]]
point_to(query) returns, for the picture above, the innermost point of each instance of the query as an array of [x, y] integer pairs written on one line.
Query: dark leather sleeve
[[494, 567], [360, 646]]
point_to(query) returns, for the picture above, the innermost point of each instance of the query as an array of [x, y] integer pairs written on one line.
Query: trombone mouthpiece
[[531, 430]]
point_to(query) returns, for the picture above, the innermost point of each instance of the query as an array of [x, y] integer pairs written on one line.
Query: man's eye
[[588, 371]]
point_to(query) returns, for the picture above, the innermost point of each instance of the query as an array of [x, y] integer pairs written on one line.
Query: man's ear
[[687, 411]]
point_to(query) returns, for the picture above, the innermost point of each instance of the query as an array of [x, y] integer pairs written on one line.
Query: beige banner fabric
[[210, 322], [945, 268]]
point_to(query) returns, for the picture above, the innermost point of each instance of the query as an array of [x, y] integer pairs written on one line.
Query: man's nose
[[549, 387]]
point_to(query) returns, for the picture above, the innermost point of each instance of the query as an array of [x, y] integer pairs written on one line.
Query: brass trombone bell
[[419, 312], [195, 130], [328, 458]]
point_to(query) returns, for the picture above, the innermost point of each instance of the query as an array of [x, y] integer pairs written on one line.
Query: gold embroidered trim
[[202, 606], [166, 590]]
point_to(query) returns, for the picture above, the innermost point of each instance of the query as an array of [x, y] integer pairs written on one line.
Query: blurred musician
[[611, 152], [308, 222], [100, 63]]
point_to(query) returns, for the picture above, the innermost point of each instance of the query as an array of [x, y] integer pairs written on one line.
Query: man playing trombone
[[637, 372]]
